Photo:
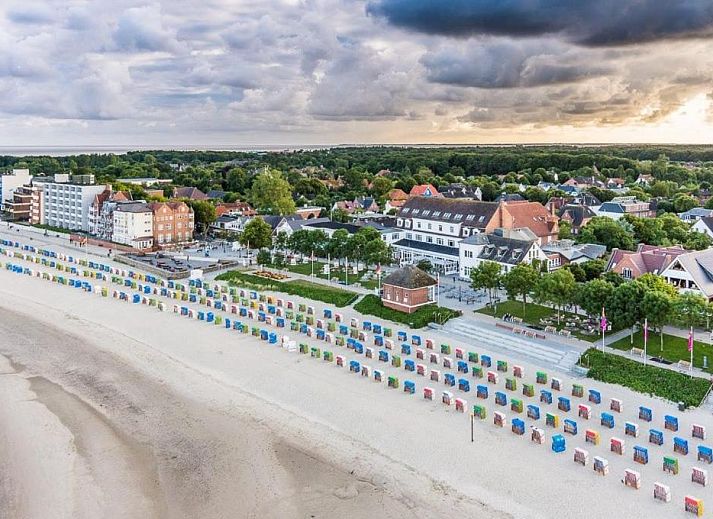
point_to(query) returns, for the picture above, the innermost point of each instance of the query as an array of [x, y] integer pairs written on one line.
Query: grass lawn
[[306, 270], [651, 380], [336, 296], [371, 305], [532, 315], [674, 348]]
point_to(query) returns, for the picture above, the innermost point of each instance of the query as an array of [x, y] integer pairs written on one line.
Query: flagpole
[[690, 348], [646, 337], [329, 267], [603, 325]]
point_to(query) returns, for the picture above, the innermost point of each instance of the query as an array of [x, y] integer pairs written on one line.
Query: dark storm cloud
[[509, 64], [588, 22]]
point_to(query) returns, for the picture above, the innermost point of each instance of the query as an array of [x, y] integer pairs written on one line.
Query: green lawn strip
[[336, 296], [674, 348], [532, 315], [650, 380], [371, 305], [306, 270]]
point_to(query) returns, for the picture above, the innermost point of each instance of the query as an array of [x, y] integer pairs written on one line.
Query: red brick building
[[408, 289], [173, 222]]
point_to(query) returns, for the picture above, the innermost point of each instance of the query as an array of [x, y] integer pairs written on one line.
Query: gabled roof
[[471, 213], [189, 192], [577, 214], [216, 194], [532, 215], [649, 259], [409, 277], [500, 249], [699, 264], [697, 211], [424, 190], [573, 251], [708, 222], [397, 194]]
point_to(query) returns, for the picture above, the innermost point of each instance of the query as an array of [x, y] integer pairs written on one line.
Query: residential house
[[509, 197], [216, 194], [192, 193], [230, 224], [564, 252], [644, 180], [396, 199], [360, 204], [234, 209], [505, 247], [704, 225], [173, 223], [101, 218], [615, 183], [407, 289], [459, 190], [692, 272], [695, 214], [584, 182], [145, 181], [133, 225], [647, 259], [576, 215], [531, 215], [625, 205], [424, 190]]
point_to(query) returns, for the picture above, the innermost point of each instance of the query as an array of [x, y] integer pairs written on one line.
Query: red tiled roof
[[424, 190], [532, 215]]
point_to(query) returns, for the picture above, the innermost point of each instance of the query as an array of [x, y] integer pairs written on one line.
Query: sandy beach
[[146, 413]]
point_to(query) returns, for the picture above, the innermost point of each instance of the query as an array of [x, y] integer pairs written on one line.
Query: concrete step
[[547, 355]]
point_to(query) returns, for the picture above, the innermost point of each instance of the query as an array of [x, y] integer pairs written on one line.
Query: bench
[[637, 352], [517, 320], [550, 329], [565, 333], [684, 365]]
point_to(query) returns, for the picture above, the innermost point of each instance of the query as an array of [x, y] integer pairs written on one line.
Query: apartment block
[[67, 201], [10, 181], [173, 223], [133, 225]]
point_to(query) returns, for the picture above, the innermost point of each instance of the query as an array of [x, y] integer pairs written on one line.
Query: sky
[[300, 72]]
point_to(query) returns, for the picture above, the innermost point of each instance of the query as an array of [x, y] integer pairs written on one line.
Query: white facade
[[11, 181], [702, 226], [67, 205], [506, 257], [133, 225]]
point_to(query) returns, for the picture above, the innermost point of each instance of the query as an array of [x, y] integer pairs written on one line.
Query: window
[[415, 211], [446, 215], [440, 228], [481, 219], [426, 212], [429, 239], [429, 226], [451, 243], [452, 229], [409, 236], [458, 217], [626, 272], [439, 241], [405, 210], [436, 214], [418, 224]]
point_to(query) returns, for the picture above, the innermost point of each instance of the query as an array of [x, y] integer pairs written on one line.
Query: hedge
[[651, 380], [371, 305]]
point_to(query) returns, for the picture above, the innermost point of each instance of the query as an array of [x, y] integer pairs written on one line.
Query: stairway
[[536, 351]]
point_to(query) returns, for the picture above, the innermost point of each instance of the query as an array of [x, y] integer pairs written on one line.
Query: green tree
[[594, 295], [565, 232], [580, 276], [655, 283], [236, 180], [657, 307], [338, 245], [690, 308], [340, 215], [272, 194], [556, 288], [257, 234], [683, 202], [203, 213], [697, 241], [380, 186], [625, 305], [520, 281], [593, 269], [605, 231], [263, 257], [425, 265], [486, 276]]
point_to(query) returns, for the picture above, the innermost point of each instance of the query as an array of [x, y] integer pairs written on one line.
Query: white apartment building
[[66, 204], [10, 181], [133, 225]]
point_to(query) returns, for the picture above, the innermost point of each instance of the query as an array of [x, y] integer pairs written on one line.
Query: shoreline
[[365, 489]]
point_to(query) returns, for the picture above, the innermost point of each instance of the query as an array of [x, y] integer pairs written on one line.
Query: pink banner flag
[[690, 340], [646, 330], [603, 321]]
